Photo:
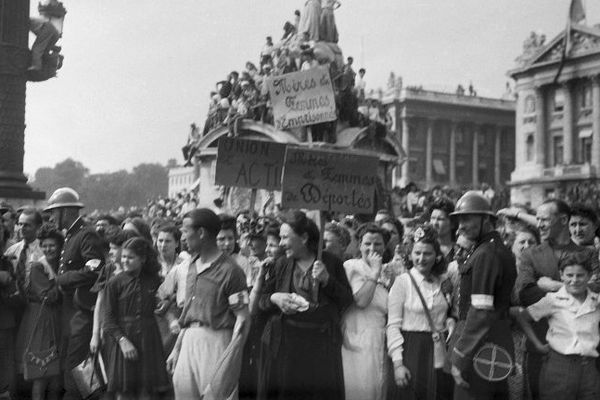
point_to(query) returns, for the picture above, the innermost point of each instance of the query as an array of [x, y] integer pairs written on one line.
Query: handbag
[[440, 350], [45, 362], [90, 376]]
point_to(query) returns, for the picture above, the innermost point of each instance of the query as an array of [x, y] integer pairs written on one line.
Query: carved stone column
[[497, 161], [475, 157], [14, 60], [568, 124], [452, 166], [540, 127], [429, 154], [406, 147], [596, 123]]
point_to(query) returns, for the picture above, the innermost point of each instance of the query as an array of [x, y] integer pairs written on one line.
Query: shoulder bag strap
[[37, 322], [427, 314]]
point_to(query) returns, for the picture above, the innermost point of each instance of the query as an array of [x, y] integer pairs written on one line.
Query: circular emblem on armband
[[493, 363]]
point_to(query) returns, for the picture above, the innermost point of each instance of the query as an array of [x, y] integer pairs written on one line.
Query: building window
[[585, 145], [530, 104], [559, 100], [529, 148], [558, 150], [585, 97]]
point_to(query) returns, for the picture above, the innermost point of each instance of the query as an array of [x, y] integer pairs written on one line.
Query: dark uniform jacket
[[81, 261], [9, 300], [487, 280]]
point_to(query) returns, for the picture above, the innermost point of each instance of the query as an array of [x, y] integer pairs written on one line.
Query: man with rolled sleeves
[[81, 261], [486, 281]]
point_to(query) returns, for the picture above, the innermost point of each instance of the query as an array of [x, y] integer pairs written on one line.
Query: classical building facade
[[452, 139], [558, 115], [181, 179]]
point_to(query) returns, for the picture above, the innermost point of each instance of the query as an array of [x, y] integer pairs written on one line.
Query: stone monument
[[14, 61]]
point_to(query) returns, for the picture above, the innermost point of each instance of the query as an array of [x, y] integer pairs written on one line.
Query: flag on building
[[575, 16]]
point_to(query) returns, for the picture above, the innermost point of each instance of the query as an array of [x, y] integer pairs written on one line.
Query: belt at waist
[[196, 324], [572, 357], [134, 319]]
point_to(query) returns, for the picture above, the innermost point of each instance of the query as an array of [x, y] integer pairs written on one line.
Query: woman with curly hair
[[136, 360], [420, 298], [363, 325], [40, 327], [304, 301]]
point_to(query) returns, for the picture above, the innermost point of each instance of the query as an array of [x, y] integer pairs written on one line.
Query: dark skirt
[[148, 373], [249, 373], [307, 366], [426, 382]]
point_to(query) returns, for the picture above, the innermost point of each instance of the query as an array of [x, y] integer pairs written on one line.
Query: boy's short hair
[[576, 258]]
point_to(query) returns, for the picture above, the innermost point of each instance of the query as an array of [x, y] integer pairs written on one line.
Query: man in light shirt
[[28, 250], [573, 314]]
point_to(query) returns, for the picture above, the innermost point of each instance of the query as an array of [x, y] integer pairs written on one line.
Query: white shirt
[[33, 253], [405, 309], [174, 282], [573, 325]]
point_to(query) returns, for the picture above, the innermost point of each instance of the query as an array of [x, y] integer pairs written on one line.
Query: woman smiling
[[418, 322]]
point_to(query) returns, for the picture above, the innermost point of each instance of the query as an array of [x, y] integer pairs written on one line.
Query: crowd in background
[[188, 303]]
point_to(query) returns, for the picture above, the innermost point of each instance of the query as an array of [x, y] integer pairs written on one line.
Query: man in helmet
[[81, 262], [486, 282]]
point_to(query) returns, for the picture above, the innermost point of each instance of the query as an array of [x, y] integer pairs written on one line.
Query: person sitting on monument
[[266, 55], [191, 147], [48, 29]]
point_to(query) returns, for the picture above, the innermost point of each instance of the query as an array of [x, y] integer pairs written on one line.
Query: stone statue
[[391, 83], [531, 46]]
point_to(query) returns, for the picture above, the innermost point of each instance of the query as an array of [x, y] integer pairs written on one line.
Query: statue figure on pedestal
[[310, 19], [531, 45]]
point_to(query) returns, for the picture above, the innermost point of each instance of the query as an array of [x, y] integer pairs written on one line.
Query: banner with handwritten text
[[246, 163], [302, 98], [329, 181]]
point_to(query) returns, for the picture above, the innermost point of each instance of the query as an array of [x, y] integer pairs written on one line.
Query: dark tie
[[22, 268]]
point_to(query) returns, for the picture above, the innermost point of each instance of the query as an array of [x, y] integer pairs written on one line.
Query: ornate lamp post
[[14, 61]]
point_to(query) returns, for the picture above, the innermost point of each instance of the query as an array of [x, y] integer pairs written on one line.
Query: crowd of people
[[464, 302], [307, 42], [412, 201]]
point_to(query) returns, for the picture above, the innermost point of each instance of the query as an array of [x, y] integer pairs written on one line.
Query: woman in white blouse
[[417, 367], [363, 325]]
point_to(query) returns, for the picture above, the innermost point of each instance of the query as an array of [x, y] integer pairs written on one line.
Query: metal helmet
[[62, 198], [473, 203]]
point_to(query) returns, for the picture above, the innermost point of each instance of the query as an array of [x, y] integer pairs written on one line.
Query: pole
[[252, 201]]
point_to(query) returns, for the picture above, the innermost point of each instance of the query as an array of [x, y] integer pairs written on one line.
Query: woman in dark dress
[[136, 360], [40, 327], [305, 298]]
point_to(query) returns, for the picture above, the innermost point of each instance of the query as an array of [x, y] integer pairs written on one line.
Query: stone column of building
[[540, 127], [568, 124], [497, 150], [475, 157], [452, 166], [596, 121], [429, 153], [406, 147]]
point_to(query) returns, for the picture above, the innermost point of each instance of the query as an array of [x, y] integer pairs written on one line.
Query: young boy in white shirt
[[573, 313]]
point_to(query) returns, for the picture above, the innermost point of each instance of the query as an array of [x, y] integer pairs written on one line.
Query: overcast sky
[[136, 73]]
